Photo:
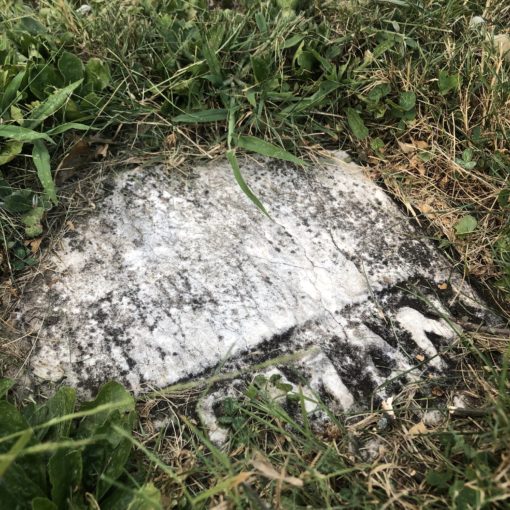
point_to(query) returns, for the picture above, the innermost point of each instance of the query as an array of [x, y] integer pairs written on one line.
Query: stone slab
[[175, 273]]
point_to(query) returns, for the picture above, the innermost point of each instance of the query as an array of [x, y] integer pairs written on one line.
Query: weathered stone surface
[[175, 273]]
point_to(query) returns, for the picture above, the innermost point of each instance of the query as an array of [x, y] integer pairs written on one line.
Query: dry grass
[[438, 437], [436, 194]]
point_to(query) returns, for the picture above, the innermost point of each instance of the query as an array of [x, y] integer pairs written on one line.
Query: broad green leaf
[[200, 117], [325, 63], [466, 225], [504, 199], [110, 393], [18, 485], [117, 499], [5, 188], [70, 67], [448, 82], [409, 115], [32, 25], [378, 92], [254, 144], [91, 101], [438, 479], [5, 386], [383, 47], [292, 41], [467, 154], [11, 91], [97, 74], [11, 421], [426, 156], [17, 115], [463, 496], [10, 150], [251, 97], [261, 22], [65, 470], [42, 79], [18, 265], [467, 159], [412, 43], [51, 105], [146, 497], [21, 134], [407, 100], [242, 184], [25, 478], [41, 158], [356, 124], [19, 201], [305, 59], [72, 111], [376, 144], [61, 404], [43, 504], [32, 221], [261, 69], [110, 457]]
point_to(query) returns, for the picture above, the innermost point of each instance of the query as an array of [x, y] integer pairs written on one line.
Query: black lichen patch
[[382, 361], [281, 338]]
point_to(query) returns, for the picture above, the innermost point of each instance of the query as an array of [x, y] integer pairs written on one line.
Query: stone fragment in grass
[[175, 275]]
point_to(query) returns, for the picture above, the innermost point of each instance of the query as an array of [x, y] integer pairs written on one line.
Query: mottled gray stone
[[174, 274]]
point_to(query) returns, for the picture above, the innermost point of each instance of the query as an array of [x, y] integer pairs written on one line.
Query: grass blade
[[242, 184], [213, 115], [62, 128], [7, 459], [41, 159], [254, 144], [213, 62]]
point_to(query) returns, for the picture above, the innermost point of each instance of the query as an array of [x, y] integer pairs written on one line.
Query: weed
[[53, 457]]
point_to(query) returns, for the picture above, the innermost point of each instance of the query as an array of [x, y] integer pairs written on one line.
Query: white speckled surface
[[172, 275]]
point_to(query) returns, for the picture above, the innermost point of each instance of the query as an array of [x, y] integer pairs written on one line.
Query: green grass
[[276, 443], [276, 456], [408, 86]]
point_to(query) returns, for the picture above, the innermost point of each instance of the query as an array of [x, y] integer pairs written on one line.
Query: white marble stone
[[174, 274]]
